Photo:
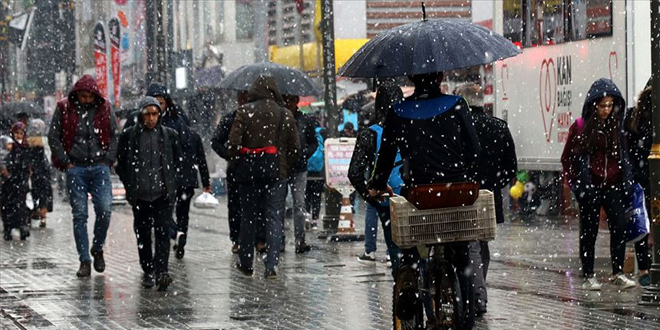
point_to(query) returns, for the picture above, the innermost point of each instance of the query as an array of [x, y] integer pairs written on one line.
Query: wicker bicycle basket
[[411, 227]]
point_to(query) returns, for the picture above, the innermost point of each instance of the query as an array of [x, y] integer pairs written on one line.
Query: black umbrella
[[290, 81], [428, 46], [12, 109]]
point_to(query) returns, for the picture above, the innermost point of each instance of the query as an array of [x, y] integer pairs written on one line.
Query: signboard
[[101, 58], [115, 36], [338, 153]]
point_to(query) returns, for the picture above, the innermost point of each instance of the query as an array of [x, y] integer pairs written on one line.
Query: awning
[[312, 54]]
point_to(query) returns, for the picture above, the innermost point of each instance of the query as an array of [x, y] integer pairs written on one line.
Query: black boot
[[85, 270], [99, 261]]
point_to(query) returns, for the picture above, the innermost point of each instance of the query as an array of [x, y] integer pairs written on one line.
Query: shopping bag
[[206, 201], [636, 215]]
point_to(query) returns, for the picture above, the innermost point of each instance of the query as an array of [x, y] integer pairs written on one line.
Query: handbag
[[260, 165], [636, 215], [206, 201]]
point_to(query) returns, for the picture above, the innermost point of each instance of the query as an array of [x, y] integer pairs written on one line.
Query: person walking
[[497, 166], [83, 142], [192, 162], [220, 144], [445, 146], [297, 180], [599, 173], [315, 178], [15, 214], [263, 130], [40, 177], [361, 166], [639, 134], [148, 153]]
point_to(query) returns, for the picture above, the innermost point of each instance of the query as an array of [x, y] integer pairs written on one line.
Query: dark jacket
[[193, 160], [128, 164], [595, 167], [308, 142], [498, 163], [42, 192], [220, 140], [77, 142], [362, 162], [639, 141], [434, 148], [256, 125]]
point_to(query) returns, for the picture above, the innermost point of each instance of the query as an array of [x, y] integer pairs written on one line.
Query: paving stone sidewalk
[[533, 283]]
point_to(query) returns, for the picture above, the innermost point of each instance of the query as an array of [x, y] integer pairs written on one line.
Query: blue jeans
[[269, 200], [94, 180], [371, 230]]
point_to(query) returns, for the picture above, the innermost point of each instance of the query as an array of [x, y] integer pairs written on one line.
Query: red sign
[[100, 58], [114, 58]]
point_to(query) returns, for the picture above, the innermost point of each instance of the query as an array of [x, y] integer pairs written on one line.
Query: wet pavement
[[533, 282]]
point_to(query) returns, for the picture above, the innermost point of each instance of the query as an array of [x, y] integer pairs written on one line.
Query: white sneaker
[[622, 282], [591, 284], [369, 258]]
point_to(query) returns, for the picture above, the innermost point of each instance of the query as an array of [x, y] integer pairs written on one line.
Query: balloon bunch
[[518, 189]]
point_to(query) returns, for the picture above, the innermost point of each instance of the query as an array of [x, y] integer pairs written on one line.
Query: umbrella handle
[[423, 11]]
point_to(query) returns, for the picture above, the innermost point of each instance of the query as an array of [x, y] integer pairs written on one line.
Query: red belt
[[270, 150]]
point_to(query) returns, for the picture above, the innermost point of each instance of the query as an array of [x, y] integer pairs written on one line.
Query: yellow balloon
[[517, 190]]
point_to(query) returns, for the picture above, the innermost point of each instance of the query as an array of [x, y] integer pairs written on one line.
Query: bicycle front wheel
[[448, 305]]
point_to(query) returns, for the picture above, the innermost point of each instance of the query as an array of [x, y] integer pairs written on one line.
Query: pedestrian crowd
[[272, 147]]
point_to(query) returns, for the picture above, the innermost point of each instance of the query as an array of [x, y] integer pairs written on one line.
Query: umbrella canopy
[[32, 109], [290, 81], [209, 77], [428, 46]]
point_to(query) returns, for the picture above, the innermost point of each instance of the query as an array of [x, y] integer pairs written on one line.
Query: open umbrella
[[290, 81], [428, 46], [32, 109]]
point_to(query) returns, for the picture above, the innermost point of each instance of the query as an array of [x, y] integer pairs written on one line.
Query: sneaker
[[245, 271], [85, 269], [261, 247], [25, 233], [234, 249], [591, 284], [369, 258], [303, 247], [164, 280], [313, 225], [623, 282], [270, 274], [148, 280], [179, 243], [42, 223], [99, 261], [645, 280]]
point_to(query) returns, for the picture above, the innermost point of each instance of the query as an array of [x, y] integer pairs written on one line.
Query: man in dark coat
[[438, 143], [83, 142], [263, 126], [298, 177], [148, 154], [497, 167], [220, 144]]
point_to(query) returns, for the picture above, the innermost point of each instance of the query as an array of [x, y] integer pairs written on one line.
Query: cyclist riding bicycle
[[437, 140]]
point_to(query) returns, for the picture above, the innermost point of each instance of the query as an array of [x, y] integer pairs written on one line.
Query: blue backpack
[[315, 163], [395, 181]]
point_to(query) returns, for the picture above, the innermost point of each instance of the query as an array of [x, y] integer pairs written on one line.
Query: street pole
[[332, 197], [156, 70], [3, 55], [651, 294]]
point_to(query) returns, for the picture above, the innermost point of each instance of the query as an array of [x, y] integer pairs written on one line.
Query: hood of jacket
[[599, 89], [159, 89], [265, 87], [86, 83], [145, 102]]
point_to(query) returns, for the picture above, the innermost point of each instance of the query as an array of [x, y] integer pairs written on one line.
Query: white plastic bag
[[206, 201]]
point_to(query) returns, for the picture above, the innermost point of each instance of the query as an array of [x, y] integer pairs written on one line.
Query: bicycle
[[462, 215]]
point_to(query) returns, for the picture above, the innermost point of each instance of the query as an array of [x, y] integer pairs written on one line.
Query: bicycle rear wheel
[[448, 305], [413, 308]]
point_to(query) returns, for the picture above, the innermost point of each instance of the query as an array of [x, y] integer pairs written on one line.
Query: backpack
[[395, 180], [315, 163]]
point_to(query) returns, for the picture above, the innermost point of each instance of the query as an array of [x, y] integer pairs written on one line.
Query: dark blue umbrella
[[428, 46], [290, 81]]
